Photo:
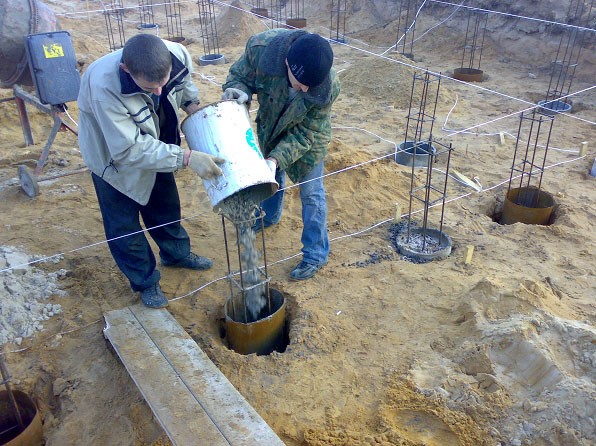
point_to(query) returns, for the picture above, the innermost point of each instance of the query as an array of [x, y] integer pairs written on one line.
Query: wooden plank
[[240, 424], [465, 180], [176, 408], [195, 404]]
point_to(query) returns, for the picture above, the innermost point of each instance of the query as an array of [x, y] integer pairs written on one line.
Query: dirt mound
[[389, 80], [236, 24]]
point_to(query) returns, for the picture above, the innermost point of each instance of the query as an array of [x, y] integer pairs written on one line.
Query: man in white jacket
[[129, 138]]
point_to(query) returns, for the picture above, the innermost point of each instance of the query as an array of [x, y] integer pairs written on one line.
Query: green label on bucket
[[250, 140]]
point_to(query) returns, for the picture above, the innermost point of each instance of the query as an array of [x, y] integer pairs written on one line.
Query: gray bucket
[[19, 18], [415, 153], [553, 107], [223, 129]]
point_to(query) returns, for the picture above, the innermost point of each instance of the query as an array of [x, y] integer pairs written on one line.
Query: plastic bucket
[[415, 153], [18, 19], [551, 108], [223, 129], [527, 205], [212, 59]]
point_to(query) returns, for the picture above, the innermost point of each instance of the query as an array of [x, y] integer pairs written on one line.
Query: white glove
[[272, 164], [205, 165], [235, 93]]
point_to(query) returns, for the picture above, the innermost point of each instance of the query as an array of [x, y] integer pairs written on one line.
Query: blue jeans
[[132, 253], [315, 241]]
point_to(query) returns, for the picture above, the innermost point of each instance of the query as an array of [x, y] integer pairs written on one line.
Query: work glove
[[205, 165], [271, 164], [235, 93]]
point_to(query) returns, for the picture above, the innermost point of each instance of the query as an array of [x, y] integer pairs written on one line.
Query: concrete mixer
[[19, 18], [31, 42]]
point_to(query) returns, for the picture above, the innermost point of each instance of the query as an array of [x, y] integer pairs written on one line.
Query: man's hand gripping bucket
[[223, 129]]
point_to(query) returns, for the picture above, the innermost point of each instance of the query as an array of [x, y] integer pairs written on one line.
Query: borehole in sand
[[525, 205], [11, 432]]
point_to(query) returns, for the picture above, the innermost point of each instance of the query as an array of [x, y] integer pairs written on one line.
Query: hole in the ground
[[20, 421], [527, 205]]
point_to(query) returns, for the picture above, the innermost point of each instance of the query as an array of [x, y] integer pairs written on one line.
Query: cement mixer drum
[[19, 18]]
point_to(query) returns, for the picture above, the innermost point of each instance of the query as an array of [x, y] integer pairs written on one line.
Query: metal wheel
[[28, 182]]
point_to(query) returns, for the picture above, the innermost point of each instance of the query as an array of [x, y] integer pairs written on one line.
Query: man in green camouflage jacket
[[291, 73]]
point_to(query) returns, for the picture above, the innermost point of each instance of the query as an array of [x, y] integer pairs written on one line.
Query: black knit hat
[[310, 58]]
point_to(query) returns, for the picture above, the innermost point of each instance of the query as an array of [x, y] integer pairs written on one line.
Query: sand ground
[[382, 351]]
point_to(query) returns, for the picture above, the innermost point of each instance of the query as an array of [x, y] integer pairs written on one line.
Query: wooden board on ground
[[193, 401]]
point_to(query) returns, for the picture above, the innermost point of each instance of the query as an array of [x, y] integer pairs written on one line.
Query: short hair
[[147, 56]]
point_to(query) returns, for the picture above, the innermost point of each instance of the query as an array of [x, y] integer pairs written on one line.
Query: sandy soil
[[382, 351]]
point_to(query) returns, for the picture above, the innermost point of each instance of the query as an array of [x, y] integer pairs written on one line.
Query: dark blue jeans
[[315, 241], [132, 253]]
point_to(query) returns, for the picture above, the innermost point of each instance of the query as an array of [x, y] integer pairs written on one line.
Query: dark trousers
[[126, 239]]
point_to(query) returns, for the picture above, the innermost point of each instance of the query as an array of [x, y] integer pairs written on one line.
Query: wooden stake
[[502, 138], [469, 254], [397, 212], [583, 148]]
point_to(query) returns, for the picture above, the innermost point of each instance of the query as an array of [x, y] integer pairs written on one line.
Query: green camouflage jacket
[[295, 135]]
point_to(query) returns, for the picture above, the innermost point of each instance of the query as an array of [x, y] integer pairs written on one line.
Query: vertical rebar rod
[[114, 10], [532, 161], [13, 401], [174, 20], [406, 26], [481, 47], [146, 17], [294, 8], [528, 144], [223, 223], [529, 169], [253, 278], [474, 39], [410, 108], [275, 13], [519, 129], [416, 121], [208, 27], [260, 9], [550, 130], [427, 189], [434, 113], [242, 290], [570, 45], [338, 20], [261, 216], [449, 150]]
